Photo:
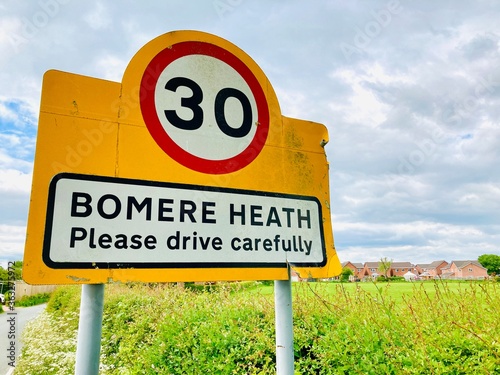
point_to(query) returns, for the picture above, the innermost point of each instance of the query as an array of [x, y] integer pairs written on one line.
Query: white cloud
[[412, 116], [111, 68], [292, 103], [9, 34], [12, 180], [99, 18], [8, 113], [12, 240], [416, 242], [362, 107]]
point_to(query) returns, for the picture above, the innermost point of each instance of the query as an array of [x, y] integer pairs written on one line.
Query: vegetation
[[385, 266], [33, 300], [346, 273], [15, 274], [491, 262], [340, 328]]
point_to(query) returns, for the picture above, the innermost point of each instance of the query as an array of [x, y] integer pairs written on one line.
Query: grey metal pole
[[89, 330], [284, 326]]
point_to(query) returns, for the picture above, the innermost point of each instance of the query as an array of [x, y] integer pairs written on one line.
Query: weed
[[36, 299], [383, 328]]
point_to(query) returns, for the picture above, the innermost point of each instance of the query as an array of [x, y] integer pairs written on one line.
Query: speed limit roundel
[[204, 107]]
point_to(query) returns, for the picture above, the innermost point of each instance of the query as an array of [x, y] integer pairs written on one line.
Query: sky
[[409, 92]]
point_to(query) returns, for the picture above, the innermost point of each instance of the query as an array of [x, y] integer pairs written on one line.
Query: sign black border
[[120, 180]]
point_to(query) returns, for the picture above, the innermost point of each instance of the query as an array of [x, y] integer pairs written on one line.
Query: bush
[[171, 330], [50, 340], [267, 282], [51, 348], [438, 328], [36, 299], [397, 278], [64, 299]]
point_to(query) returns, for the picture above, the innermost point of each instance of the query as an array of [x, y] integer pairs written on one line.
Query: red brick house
[[432, 270], [400, 268], [464, 269], [457, 269], [356, 268], [372, 270]]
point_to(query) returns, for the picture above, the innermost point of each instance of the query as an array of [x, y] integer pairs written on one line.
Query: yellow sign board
[[185, 171]]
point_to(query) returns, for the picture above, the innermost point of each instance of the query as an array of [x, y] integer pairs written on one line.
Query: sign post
[[184, 171], [284, 326], [88, 347]]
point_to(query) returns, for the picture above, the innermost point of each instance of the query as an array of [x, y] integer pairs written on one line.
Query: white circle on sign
[[195, 82], [240, 109]]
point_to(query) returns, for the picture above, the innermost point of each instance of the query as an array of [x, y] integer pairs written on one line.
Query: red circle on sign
[[162, 138]]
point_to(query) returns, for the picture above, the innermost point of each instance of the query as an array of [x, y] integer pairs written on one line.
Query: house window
[[372, 269], [470, 269], [397, 270]]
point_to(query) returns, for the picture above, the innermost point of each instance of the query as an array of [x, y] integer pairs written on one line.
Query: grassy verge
[[36, 299], [430, 328]]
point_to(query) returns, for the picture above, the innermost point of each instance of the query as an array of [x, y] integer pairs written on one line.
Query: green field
[[404, 290], [350, 328], [397, 292]]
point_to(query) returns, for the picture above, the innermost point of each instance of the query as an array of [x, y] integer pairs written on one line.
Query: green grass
[[36, 299], [399, 290], [362, 328], [394, 290]]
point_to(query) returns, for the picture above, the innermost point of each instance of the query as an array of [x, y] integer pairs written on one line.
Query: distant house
[[432, 270], [356, 268], [401, 268], [457, 269], [464, 269], [372, 270]]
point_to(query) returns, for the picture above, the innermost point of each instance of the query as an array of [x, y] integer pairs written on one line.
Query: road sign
[[199, 91], [116, 223], [184, 171]]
